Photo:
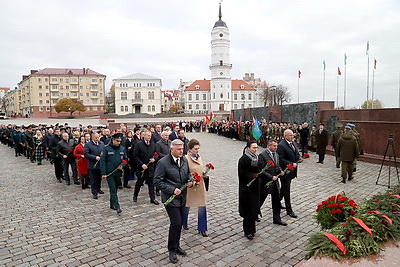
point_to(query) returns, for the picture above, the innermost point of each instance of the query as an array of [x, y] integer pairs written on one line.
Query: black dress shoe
[[100, 192], [292, 214], [180, 251], [112, 207], [344, 180], [172, 257], [77, 182], [185, 228], [119, 210], [134, 199], [280, 222], [128, 186], [59, 180], [250, 236], [95, 197], [158, 193], [203, 233], [351, 178], [120, 187], [155, 202], [68, 183], [354, 169], [258, 220]]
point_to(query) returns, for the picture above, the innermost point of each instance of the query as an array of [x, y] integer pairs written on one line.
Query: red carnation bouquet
[[155, 156], [335, 209], [195, 178], [306, 156], [123, 161], [209, 167], [269, 163]]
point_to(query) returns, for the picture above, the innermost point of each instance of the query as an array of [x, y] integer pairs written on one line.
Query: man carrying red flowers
[[112, 161], [271, 158]]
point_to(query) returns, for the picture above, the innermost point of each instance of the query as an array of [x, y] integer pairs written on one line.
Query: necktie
[[274, 156], [177, 162], [292, 146]]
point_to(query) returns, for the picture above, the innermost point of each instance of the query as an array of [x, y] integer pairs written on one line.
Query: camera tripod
[[391, 145]]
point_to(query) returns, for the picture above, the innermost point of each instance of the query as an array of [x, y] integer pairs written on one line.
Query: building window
[[54, 86], [46, 80], [235, 106], [242, 96], [190, 106], [122, 108], [61, 80], [151, 95], [197, 97], [80, 87], [234, 96], [249, 105], [197, 87], [40, 87], [47, 87], [47, 101], [242, 86], [61, 94], [204, 106], [249, 96], [61, 87], [148, 108], [74, 87], [126, 108], [138, 95], [67, 94], [40, 94], [204, 97], [153, 108], [41, 109], [94, 87], [190, 97], [228, 95], [40, 80], [213, 95], [94, 108], [222, 95], [221, 62], [54, 79], [94, 80], [47, 109], [197, 106], [40, 101], [67, 80], [124, 96], [67, 87], [87, 94]]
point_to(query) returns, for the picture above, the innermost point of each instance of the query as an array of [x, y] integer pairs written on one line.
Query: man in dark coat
[[156, 136], [175, 134], [304, 132], [143, 155], [185, 141], [322, 139], [163, 149], [171, 173], [30, 146], [52, 147], [92, 152], [65, 151], [271, 174], [288, 154], [348, 151], [335, 139], [18, 140]]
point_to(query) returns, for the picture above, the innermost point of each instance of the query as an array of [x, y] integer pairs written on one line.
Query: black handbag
[[206, 181]]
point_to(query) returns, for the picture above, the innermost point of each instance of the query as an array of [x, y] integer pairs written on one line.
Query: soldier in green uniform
[[335, 138], [313, 138], [112, 162]]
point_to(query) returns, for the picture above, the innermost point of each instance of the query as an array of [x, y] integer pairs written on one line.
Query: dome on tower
[[219, 22]]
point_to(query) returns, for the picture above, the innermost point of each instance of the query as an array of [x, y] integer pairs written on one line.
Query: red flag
[[299, 73], [338, 71], [374, 63]]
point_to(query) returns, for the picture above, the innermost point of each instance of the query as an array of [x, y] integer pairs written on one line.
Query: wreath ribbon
[[363, 225], [337, 242], [383, 215]]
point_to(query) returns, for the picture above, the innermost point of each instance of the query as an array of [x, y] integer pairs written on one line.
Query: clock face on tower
[[221, 35], [221, 73]]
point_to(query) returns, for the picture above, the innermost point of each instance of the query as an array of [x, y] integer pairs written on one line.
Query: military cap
[[347, 127], [117, 136]]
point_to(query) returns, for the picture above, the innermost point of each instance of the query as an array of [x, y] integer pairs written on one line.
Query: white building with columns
[[138, 93], [220, 93]]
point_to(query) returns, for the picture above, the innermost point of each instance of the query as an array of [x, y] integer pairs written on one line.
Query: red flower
[[329, 206], [70, 150], [352, 212], [306, 155], [341, 205], [332, 198], [333, 211], [377, 201], [335, 205], [271, 163], [338, 211], [156, 155], [325, 202], [124, 162], [196, 177], [210, 166], [290, 167], [385, 223]]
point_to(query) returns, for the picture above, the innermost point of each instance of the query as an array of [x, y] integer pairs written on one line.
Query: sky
[[170, 39]]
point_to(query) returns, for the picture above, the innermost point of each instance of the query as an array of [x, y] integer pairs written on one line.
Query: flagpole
[[367, 75], [373, 86], [337, 91], [345, 76], [298, 90], [323, 87]]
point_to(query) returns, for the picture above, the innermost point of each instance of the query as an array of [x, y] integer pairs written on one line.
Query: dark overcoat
[[322, 141], [288, 156], [249, 196], [348, 147]]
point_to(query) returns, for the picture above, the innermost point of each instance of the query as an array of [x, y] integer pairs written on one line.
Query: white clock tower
[[220, 85]]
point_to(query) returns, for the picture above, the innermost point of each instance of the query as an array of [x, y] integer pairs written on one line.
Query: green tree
[[110, 100], [69, 105], [376, 104]]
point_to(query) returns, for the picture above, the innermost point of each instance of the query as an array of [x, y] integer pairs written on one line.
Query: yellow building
[[41, 90]]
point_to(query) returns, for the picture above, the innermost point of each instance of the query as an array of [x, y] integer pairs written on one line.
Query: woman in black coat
[[249, 197]]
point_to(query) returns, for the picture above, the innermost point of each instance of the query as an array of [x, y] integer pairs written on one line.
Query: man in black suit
[[143, 155], [175, 134], [288, 154], [106, 138], [92, 152], [156, 136], [171, 173], [271, 174]]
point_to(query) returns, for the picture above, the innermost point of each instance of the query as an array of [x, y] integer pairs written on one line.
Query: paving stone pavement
[[45, 223]]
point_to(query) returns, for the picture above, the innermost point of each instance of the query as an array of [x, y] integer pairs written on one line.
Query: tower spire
[[220, 12]]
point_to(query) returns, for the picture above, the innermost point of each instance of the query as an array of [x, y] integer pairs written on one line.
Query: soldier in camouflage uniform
[[335, 138]]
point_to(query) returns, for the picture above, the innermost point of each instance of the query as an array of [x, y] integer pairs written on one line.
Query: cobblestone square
[[45, 223]]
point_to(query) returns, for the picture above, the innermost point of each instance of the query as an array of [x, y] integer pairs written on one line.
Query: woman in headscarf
[[249, 196], [38, 141]]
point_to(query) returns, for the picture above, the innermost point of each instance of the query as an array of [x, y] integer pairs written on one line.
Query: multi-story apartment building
[[138, 93], [41, 90]]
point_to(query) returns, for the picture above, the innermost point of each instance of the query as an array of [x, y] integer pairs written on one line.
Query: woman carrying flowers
[[249, 197], [196, 196], [81, 161]]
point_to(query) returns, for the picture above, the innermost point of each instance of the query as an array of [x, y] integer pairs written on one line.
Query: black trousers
[[95, 180], [249, 226], [285, 194], [175, 217], [127, 171], [321, 158], [58, 167], [139, 183], [276, 204]]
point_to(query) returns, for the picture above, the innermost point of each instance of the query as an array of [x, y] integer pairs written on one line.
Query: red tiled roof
[[205, 85], [4, 88], [61, 71]]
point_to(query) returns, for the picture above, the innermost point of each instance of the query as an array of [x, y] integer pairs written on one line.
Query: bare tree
[[110, 100], [275, 95]]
